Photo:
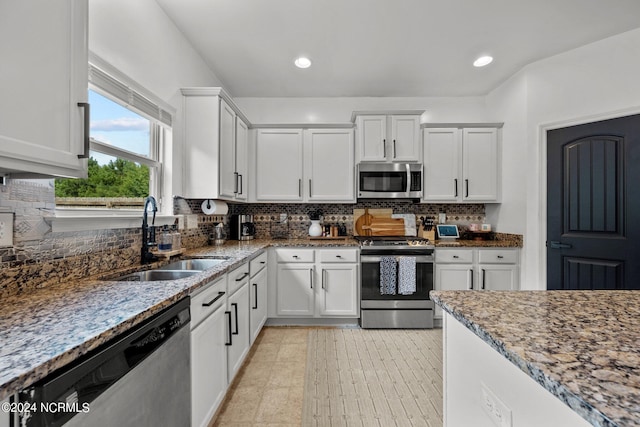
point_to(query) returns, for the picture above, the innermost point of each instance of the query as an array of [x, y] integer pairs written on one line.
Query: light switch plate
[[6, 229]]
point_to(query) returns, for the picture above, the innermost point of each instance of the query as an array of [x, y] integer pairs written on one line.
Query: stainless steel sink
[[155, 275], [193, 264]]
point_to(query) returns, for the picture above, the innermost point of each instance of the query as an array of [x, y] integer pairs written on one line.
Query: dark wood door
[[593, 205]]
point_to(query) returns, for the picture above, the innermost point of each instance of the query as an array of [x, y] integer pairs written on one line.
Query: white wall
[[138, 39], [338, 110], [593, 82]]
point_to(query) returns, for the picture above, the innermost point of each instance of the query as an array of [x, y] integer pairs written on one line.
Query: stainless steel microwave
[[389, 180]]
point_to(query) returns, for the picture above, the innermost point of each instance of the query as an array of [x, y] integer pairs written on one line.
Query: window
[[127, 137]]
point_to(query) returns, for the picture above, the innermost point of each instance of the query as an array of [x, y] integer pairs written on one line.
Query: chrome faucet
[[148, 234]]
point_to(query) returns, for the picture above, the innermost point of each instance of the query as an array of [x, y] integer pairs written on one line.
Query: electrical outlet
[[499, 413], [283, 218], [442, 218]]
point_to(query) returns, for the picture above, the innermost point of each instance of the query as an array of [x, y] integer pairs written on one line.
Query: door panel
[[593, 205]]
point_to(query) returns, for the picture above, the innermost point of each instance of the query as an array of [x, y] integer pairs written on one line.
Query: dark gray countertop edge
[[573, 401]]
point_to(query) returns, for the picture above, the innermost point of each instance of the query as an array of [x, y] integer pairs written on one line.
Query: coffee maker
[[242, 227]]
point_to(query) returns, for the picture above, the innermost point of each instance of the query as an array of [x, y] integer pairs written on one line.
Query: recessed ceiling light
[[482, 61], [302, 62]]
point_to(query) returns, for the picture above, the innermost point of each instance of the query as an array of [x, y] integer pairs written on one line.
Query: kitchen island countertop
[[582, 346]]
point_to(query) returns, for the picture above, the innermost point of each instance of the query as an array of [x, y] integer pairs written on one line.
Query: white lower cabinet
[[337, 297], [317, 283], [476, 268], [295, 289], [238, 345], [208, 351], [257, 295]]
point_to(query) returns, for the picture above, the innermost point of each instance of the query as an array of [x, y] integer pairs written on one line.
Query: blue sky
[[115, 125]]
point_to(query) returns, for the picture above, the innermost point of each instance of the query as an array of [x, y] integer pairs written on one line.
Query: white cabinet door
[[405, 139], [239, 309], [329, 165], [208, 367], [338, 293], [279, 165], [372, 134], [498, 277], [442, 161], [242, 159], [43, 77], [453, 277], [258, 302], [480, 164], [227, 163], [295, 289]]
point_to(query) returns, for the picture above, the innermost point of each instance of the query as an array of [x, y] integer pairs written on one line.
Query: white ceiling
[[387, 47]]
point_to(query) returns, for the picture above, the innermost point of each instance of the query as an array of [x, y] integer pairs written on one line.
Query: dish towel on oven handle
[[388, 280], [406, 275]]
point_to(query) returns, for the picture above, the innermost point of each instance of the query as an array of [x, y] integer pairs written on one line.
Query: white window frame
[[137, 99]]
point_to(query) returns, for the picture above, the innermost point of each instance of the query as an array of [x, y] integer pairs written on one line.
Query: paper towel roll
[[214, 207]]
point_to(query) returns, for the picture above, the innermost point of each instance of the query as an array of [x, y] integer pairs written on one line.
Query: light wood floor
[[351, 377]]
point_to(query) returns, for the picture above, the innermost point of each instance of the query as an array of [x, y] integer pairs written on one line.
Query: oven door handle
[[374, 259]]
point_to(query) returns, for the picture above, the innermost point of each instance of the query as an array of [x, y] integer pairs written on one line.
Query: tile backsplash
[[40, 257]]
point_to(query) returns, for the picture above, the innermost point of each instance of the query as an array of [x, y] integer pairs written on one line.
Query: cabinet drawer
[[338, 255], [238, 277], [497, 256], [294, 255], [258, 263], [454, 256], [208, 300]]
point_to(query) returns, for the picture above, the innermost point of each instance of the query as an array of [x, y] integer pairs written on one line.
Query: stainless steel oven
[[389, 180], [382, 309]]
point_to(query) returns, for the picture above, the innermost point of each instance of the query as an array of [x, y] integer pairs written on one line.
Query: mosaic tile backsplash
[[40, 257]]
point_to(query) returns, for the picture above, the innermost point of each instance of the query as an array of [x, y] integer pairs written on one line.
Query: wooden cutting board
[[363, 217], [381, 226]]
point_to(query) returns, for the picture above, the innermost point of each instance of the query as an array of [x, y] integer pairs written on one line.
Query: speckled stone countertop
[[582, 346], [47, 328]]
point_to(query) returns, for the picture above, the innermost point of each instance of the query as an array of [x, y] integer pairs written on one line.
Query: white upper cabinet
[[461, 164], [314, 165], [388, 138], [480, 164], [215, 146], [405, 138], [329, 165], [43, 77], [279, 165]]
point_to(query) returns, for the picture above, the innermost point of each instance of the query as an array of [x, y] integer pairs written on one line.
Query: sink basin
[[155, 275], [192, 264]]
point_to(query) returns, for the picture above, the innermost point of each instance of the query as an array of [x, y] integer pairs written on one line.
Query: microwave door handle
[[408, 167]]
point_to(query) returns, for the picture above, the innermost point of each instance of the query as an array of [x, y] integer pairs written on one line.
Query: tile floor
[[269, 389]]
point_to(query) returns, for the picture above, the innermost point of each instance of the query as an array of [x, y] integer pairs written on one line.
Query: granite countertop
[[582, 346], [47, 328]]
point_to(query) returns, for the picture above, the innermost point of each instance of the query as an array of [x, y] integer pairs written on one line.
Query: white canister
[[315, 230]]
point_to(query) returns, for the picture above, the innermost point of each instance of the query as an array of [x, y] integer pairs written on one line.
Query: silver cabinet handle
[[323, 279], [86, 139], [471, 285], [309, 188], [299, 187]]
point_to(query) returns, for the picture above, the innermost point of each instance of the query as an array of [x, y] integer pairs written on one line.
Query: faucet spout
[[148, 235]]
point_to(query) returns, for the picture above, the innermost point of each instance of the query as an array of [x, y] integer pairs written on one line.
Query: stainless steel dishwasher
[[141, 378]]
